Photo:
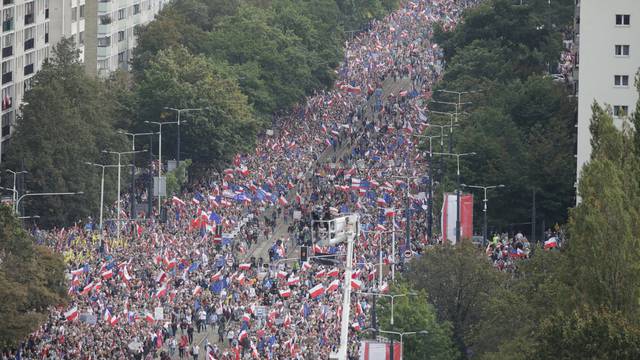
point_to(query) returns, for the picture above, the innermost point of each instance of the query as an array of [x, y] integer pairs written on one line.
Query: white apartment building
[[25, 45], [609, 58], [103, 31]]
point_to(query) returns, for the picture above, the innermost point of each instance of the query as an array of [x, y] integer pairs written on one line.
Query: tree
[[31, 280], [67, 120], [414, 313], [458, 282], [178, 79]]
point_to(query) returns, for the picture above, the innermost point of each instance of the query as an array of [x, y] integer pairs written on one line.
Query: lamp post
[[392, 296], [160, 153], [457, 156], [15, 192], [402, 335], [430, 189], [45, 194], [484, 210], [180, 111], [120, 153], [101, 197], [133, 168]]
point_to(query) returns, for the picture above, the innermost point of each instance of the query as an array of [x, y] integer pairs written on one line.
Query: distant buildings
[[103, 31], [609, 58]]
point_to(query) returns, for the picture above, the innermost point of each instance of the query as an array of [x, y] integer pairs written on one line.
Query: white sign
[[160, 184], [269, 132], [158, 313], [297, 215]]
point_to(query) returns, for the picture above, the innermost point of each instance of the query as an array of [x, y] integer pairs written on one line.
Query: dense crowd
[[149, 292]]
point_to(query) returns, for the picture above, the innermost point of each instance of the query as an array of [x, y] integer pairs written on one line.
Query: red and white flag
[[356, 284], [162, 291], [282, 201], [107, 274], [316, 291], [72, 314], [294, 280], [245, 266], [216, 276], [149, 317], [177, 201], [285, 293], [333, 272], [333, 286]]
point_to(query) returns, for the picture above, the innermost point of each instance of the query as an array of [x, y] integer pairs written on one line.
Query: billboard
[[449, 216], [375, 350]]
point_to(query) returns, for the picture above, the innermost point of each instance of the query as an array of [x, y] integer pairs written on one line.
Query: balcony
[[28, 19], [46, 13], [7, 25], [7, 77], [7, 102], [46, 38], [7, 51], [28, 70], [7, 2], [28, 45]]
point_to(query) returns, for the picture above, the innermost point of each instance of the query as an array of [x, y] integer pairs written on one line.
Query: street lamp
[[101, 197], [180, 111], [402, 335], [430, 199], [15, 192], [120, 153], [160, 153], [45, 194], [484, 210], [458, 156], [133, 168], [392, 296]]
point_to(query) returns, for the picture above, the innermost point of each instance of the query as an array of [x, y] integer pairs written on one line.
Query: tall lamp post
[[430, 189], [120, 153], [15, 191], [133, 168], [180, 111], [484, 210], [457, 156], [160, 153], [101, 197], [402, 335], [45, 194]]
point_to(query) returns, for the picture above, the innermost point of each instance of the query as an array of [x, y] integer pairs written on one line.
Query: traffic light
[[303, 254]]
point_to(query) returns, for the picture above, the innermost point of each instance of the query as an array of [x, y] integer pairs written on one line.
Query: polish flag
[[390, 212], [285, 293], [197, 290], [380, 227], [113, 320], [381, 202], [333, 272], [246, 318], [287, 321], [245, 266], [356, 326], [241, 279], [216, 276], [162, 291], [97, 287], [384, 288], [87, 289], [72, 314], [282, 274], [282, 201], [177, 201], [243, 334], [294, 280], [195, 201], [306, 266], [374, 184], [298, 198], [149, 317], [107, 274], [320, 274], [107, 316], [161, 277], [333, 285], [356, 284], [371, 275], [551, 243], [171, 263], [356, 274], [317, 249], [77, 272], [316, 291], [125, 275]]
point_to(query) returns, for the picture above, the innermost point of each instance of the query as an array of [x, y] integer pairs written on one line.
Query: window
[[105, 20], [622, 50], [120, 35], [620, 111], [623, 20], [121, 58], [621, 80], [104, 41], [122, 14], [103, 64], [81, 38], [74, 14], [81, 12], [136, 9]]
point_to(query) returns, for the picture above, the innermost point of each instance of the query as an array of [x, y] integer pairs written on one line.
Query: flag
[[333, 272], [177, 201], [294, 280], [285, 293], [216, 276], [316, 291], [551, 243], [380, 227], [282, 201], [356, 284], [77, 272], [320, 274], [245, 266], [72, 314], [381, 202], [162, 291], [389, 212], [282, 274], [197, 290], [306, 266], [87, 289], [149, 317], [333, 285], [384, 288], [107, 274], [243, 335], [107, 316]]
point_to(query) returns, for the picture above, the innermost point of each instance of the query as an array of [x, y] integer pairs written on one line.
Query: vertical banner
[[450, 215], [373, 350]]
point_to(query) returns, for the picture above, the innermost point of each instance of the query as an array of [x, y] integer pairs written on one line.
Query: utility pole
[[101, 198], [180, 111], [160, 155], [533, 217], [430, 187], [15, 194], [133, 168]]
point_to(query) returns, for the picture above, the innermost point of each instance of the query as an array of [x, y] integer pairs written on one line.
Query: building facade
[[608, 60], [104, 32]]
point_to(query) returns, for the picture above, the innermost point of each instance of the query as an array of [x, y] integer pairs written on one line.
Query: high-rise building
[[608, 60], [104, 32], [25, 45]]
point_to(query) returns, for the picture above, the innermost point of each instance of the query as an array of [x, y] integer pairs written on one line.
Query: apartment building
[[25, 45], [609, 58], [104, 32]]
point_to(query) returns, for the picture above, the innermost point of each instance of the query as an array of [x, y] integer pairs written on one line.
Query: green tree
[[414, 313], [458, 282], [67, 120], [31, 280], [178, 79]]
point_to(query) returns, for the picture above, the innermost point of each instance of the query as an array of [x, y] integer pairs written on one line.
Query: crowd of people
[[151, 291]]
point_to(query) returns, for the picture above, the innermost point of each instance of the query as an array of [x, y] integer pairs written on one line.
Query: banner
[[374, 350], [449, 217]]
